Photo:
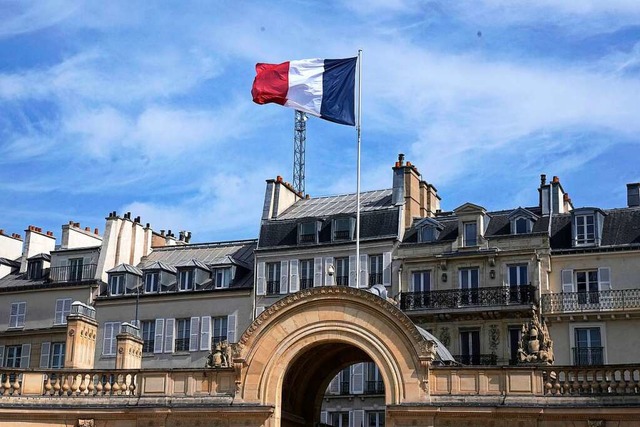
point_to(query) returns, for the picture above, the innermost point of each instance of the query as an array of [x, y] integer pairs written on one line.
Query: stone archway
[[287, 356]]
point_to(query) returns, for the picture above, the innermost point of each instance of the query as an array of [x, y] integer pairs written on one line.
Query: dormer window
[[116, 284], [186, 279], [307, 232], [343, 229], [587, 224], [34, 269], [522, 221], [470, 233], [222, 277], [428, 230], [151, 282]]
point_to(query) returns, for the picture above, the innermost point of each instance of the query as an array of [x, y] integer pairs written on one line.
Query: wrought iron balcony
[[342, 280], [344, 387], [306, 283], [477, 359], [375, 279], [342, 235], [460, 298], [273, 287], [588, 356], [72, 274], [618, 299], [374, 387]]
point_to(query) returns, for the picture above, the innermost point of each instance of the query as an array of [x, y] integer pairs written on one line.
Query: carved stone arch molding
[[312, 323]]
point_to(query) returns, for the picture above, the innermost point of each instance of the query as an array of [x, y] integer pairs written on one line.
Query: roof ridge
[[205, 245]]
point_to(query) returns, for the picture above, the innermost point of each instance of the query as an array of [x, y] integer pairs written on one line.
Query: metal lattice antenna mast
[[299, 140]]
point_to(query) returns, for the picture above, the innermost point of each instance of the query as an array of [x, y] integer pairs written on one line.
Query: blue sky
[[144, 107]]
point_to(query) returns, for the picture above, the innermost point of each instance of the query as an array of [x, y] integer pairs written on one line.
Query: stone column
[[129, 344], [82, 329]]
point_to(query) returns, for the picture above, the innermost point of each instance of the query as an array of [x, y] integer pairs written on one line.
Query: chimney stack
[[633, 194]]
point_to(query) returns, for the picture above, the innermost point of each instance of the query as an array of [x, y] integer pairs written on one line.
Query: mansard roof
[[126, 268], [321, 207]]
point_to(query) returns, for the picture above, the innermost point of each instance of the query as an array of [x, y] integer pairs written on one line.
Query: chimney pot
[[87, 229], [543, 179], [148, 225], [565, 197], [409, 164], [278, 178], [555, 179], [95, 231], [401, 158], [162, 232]]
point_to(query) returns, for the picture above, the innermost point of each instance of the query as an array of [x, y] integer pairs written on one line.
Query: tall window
[[469, 278], [34, 269], [375, 418], [151, 282], [585, 229], [518, 277], [273, 278], [116, 284], [342, 271], [588, 349], [185, 279], [148, 335], [522, 226], [18, 314], [470, 234], [307, 232], [222, 277], [339, 419], [111, 329], [63, 308], [183, 333], [219, 329], [75, 269], [421, 281], [470, 347], [13, 357], [57, 355], [587, 286], [306, 273], [515, 333], [375, 270], [345, 380], [374, 383], [342, 228], [428, 233]]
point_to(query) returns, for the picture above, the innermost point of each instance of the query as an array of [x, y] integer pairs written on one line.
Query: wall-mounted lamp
[[492, 274], [444, 277]]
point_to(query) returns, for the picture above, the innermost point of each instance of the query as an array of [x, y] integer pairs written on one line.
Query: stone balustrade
[[593, 380]]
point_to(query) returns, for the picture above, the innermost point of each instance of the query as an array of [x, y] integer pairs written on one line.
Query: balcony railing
[[307, 238], [457, 298], [273, 287], [306, 283], [342, 280], [344, 387], [342, 235], [375, 279], [72, 273], [588, 356], [374, 387], [618, 299], [477, 359]]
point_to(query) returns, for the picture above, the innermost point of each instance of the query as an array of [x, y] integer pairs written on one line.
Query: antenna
[[299, 140]]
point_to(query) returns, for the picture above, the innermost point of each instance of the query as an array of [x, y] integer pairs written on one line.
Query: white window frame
[[152, 282], [221, 277], [62, 310], [342, 266], [466, 241], [376, 266], [302, 227], [18, 314], [603, 338], [273, 270], [149, 336], [219, 326], [334, 229], [307, 273], [421, 275], [582, 230], [119, 281], [186, 279], [186, 333], [57, 351]]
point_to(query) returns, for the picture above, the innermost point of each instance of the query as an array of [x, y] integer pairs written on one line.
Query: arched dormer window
[[522, 221], [428, 230]]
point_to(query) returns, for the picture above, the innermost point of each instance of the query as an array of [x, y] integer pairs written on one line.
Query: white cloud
[[24, 16]]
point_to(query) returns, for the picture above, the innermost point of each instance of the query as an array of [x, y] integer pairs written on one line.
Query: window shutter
[[45, 350], [25, 357], [231, 327], [66, 309], [1, 356], [604, 279], [323, 417], [328, 279], [364, 269], [294, 278], [386, 269], [58, 320], [205, 333], [356, 417], [352, 271], [195, 334], [260, 282], [317, 267], [159, 336], [169, 333], [412, 278], [334, 385], [284, 277], [357, 378], [259, 310], [108, 336], [567, 281]]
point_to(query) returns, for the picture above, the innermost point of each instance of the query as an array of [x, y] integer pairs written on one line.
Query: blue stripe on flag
[[338, 91]]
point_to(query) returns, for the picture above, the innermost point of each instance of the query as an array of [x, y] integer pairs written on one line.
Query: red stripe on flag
[[271, 83]]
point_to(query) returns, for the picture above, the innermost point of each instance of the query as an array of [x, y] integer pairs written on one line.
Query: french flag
[[321, 87]]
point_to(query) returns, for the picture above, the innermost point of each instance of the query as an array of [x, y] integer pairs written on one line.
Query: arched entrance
[[287, 357]]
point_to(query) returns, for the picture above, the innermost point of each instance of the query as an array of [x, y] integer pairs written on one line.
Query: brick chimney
[[420, 199], [36, 242]]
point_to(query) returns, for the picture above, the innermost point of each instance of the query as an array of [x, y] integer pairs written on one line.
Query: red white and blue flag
[[321, 87]]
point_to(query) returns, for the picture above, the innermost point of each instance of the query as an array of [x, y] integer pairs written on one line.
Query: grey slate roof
[[9, 262], [159, 265], [126, 268], [43, 256], [333, 205]]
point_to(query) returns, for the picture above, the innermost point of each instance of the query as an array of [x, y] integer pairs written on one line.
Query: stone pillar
[[129, 344], [82, 329]]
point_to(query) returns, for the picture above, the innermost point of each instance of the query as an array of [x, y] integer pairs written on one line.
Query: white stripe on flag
[[305, 85]]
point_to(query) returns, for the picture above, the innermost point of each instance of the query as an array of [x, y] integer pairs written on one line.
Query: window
[[151, 282], [57, 354], [222, 277], [521, 226], [273, 278], [14, 356], [148, 335], [375, 419], [116, 284], [63, 308], [470, 234], [34, 269], [421, 281], [111, 329], [219, 330], [470, 347], [339, 419], [343, 229], [428, 233], [585, 229], [306, 273], [183, 333], [517, 279], [307, 232], [374, 383], [76, 269], [588, 349], [185, 280], [587, 287], [375, 270], [469, 286], [345, 383], [515, 334], [342, 271], [18, 313]]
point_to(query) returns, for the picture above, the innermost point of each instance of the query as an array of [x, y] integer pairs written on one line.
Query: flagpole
[[359, 132]]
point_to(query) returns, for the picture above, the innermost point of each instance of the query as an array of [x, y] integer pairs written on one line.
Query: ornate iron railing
[[273, 287], [477, 359], [342, 280], [74, 273], [588, 356], [342, 235], [459, 298], [618, 299], [374, 387]]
